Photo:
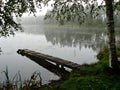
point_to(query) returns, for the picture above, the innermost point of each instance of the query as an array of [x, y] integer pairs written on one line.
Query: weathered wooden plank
[[62, 73], [56, 60]]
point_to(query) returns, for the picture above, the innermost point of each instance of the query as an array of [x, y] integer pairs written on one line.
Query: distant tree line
[[100, 21]]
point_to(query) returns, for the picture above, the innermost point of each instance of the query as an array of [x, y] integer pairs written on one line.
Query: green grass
[[97, 76]]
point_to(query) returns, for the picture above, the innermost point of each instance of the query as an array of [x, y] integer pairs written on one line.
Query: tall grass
[[16, 83]]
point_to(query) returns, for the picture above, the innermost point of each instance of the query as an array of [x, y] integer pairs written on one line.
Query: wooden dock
[[62, 73], [61, 63]]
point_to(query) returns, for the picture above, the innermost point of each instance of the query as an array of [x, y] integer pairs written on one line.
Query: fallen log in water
[[62, 73], [56, 60]]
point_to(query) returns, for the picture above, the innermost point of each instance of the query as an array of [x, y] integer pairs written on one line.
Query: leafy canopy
[[74, 10], [10, 10], [63, 11]]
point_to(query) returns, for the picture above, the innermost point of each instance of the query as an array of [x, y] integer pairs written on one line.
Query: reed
[[16, 83]]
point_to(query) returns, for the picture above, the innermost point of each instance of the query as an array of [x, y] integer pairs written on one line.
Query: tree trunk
[[113, 60]]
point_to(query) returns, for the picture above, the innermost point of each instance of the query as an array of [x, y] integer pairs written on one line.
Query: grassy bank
[[96, 76]]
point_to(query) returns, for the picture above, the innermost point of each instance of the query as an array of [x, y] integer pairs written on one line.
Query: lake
[[79, 45]]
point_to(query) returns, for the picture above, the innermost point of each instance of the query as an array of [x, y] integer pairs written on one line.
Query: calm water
[[74, 44]]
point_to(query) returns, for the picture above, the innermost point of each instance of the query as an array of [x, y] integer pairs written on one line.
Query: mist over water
[[79, 45]]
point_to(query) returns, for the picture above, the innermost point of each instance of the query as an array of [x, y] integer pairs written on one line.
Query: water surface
[[75, 44]]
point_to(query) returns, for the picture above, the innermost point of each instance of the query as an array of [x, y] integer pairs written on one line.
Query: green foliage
[[9, 10], [7, 81], [91, 77], [16, 83], [74, 10], [33, 83], [103, 54], [90, 83], [118, 50], [117, 6]]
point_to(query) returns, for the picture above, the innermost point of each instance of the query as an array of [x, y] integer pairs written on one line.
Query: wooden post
[[62, 67], [57, 65]]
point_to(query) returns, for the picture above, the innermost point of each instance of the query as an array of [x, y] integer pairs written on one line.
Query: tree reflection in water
[[0, 51], [95, 39]]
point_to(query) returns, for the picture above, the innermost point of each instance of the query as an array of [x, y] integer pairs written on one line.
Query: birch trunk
[[113, 60]]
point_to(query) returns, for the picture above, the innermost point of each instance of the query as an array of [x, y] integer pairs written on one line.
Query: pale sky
[[46, 8], [43, 10]]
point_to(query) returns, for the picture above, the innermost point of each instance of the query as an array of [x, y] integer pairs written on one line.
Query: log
[[56, 60], [62, 73]]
